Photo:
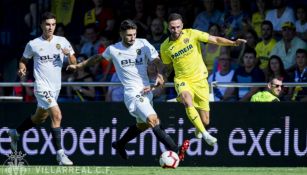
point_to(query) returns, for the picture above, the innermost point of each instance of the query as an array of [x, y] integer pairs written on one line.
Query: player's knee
[[57, 117], [206, 122], [153, 121], [39, 119], [142, 126], [186, 98]]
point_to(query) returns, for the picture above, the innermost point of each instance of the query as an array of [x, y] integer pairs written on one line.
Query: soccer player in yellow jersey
[[181, 51]]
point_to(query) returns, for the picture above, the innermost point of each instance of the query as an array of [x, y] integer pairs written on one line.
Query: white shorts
[[140, 106], [46, 99]]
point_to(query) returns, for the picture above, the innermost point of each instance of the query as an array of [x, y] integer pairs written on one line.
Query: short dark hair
[[127, 24], [250, 50], [304, 51], [47, 15], [266, 22], [174, 16]]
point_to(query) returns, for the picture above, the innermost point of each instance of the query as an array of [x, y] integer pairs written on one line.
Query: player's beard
[[175, 35], [129, 43]]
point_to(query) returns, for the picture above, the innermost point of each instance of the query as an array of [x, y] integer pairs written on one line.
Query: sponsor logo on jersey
[[131, 62], [182, 51], [58, 46], [48, 58]]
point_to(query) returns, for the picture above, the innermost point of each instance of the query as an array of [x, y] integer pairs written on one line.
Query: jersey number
[[47, 94]]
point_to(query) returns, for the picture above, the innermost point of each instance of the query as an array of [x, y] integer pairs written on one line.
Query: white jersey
[[48, 61], [131, 63]]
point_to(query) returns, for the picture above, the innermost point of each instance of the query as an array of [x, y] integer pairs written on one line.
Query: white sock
[[61, 151], [206, 134]]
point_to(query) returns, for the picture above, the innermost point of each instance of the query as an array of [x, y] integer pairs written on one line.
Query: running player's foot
[[121, 150], [210, 139], [62, 158], [198, 134], [14, 139], [184, 147]]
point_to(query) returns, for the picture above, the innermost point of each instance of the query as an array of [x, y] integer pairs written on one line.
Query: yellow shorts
[[199, 91]]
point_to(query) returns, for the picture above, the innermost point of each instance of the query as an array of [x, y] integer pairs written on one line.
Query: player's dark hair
[[47, 15], [174, 16], [269, 23], [127, 24]]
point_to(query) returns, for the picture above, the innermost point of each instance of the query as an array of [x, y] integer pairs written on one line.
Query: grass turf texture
[[113, 170]]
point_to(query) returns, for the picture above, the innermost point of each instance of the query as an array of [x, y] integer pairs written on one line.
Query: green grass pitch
[[113, 170]]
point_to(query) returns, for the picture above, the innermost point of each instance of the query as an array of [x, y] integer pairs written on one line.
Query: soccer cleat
[[210, 140], [198, 134], [62, 158], [184, 147], [14, 139], [121, 150]]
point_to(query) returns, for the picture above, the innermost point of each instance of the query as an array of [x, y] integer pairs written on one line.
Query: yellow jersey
[[185, 55], [263, 52]]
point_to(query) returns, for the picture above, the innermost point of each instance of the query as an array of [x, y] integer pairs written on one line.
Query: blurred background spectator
[[81, 93], [224, 74], [264, 47], [209, 16], [248, 73], [288, 45]]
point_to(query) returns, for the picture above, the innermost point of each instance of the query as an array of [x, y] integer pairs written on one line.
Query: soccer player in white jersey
[[48, 52], [131, 57]]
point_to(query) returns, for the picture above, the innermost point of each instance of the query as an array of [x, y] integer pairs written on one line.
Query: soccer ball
[[169, 159]]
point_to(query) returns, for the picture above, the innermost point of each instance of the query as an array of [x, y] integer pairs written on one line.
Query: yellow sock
[[195, 119]]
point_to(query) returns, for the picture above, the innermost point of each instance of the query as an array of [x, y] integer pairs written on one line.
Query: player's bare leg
[[38, 118], [56, 117], [195, 118]]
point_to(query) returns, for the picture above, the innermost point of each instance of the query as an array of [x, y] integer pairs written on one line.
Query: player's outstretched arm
[[22, 70], [89, 62], [224, 41]]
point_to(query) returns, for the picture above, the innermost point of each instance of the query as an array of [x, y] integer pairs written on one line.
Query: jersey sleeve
[[107, 54], [150, 51], [28, 52], [200, 36], [166, 59], [68, 46]]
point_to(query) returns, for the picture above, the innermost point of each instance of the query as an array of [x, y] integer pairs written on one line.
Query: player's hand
[[72, 67], [146, 90], [239, 41], [66, 51], [22, 72], [159, 81]]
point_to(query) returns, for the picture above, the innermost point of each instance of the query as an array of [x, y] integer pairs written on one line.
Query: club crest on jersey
[[41, 49], [49, 100], [138, 51], [186, 40], [58, 46]]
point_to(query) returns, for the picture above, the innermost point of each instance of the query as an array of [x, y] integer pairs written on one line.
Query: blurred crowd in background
[[276, 34]]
